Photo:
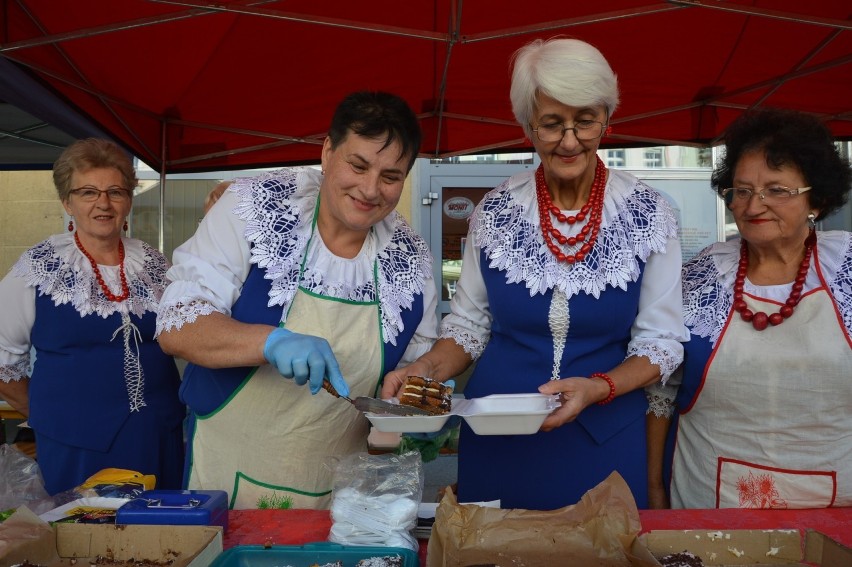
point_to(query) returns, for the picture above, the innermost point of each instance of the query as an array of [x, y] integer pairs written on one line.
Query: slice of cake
[[425, 393]]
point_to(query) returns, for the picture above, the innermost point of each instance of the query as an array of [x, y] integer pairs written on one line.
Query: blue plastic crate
[[320, 553]]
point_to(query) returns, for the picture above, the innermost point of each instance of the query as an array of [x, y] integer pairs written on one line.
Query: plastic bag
[[375, 500], [116, 483], [21, 481]]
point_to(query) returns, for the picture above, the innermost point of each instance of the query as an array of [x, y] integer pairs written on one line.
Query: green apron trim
[[240, 475], [382, 372], [338, 299], [377, 302], [229, 398]]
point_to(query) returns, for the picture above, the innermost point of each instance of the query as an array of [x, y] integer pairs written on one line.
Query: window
[[615, 158], [653, 157]]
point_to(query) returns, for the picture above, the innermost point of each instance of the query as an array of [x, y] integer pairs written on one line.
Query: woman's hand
[[305, 359], [576, 394], [446, 359], [16, 394]]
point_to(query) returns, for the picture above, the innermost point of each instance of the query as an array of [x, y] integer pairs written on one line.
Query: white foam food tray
[[497, 414]]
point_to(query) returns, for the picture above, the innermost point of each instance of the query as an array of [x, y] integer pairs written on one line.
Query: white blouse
[[245, 227]]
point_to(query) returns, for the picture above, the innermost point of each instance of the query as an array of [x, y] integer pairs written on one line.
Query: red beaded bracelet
[[609, 381]]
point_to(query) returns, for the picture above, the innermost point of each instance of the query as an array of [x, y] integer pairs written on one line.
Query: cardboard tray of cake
[[738, 548], [26, 538]]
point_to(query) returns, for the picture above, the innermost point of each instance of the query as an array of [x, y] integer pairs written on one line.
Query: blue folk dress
[[102, 393], [527, 318]]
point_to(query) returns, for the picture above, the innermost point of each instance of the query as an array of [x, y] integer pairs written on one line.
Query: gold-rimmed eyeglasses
[[584, 130], [773, 195], [89, 193]]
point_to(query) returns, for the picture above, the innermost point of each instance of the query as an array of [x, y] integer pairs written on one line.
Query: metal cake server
[[375, 405]]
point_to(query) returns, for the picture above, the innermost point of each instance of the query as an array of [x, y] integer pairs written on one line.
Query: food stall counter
[[297, 527]]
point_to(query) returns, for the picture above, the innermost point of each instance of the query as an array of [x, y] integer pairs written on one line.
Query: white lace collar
[[636, 222], [58, 269], [708, 281], [278, 208]]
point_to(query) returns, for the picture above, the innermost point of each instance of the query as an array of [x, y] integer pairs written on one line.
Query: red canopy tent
[[190, 85]]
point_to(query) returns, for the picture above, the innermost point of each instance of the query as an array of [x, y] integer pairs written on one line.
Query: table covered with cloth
[[297, 527]]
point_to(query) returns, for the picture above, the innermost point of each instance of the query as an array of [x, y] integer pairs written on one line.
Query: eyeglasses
[[774, 195], [584, 130], [89, 193]]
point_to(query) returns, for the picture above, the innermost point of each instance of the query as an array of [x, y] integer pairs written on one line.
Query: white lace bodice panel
[[638, 225], [708, 281], [636, 222], [58, 269]]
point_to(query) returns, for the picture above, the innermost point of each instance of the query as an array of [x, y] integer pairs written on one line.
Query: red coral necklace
[[125, 289], [761, 320], [593, 208]]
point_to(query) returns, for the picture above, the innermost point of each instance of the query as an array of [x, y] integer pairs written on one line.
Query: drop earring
[[71, 225], [811, 221], [125, 225]]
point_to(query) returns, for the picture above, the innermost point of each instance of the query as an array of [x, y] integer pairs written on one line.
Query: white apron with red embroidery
[[765, 430]]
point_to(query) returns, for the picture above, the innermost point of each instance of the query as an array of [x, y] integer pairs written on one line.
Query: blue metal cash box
[[176, 507]]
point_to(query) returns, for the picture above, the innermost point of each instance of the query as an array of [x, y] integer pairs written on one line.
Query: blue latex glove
[[304, 358]]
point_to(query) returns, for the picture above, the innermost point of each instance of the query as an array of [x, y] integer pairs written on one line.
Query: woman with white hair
[[571, 287]]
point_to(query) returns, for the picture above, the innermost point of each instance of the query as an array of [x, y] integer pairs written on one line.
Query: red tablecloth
[[279, 527], [296, 527]]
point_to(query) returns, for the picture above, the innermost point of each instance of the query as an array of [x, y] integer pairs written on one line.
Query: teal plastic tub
[[312, 554]]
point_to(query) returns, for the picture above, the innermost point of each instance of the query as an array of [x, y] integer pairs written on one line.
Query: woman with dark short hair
[[295, 278]]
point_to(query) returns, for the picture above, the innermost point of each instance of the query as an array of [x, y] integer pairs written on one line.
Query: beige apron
[[272, 440], [788, 389]]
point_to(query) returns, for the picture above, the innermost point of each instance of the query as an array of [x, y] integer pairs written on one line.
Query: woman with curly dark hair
[[764, 403]]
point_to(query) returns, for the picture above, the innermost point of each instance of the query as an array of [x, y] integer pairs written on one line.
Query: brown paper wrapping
[[26, 537], [600, 530]]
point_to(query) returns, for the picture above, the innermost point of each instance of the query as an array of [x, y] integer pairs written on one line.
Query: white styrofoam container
[[387, 423], [507, 414], [497, 414]]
